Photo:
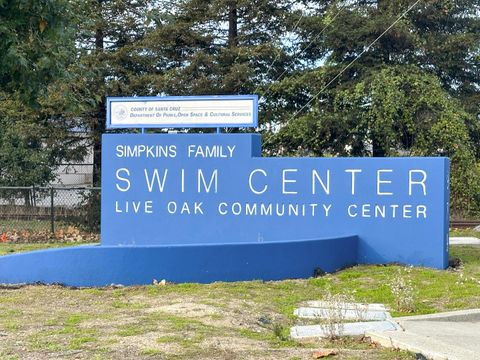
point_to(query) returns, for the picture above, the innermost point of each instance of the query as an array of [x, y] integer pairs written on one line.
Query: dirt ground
[[217, 321]]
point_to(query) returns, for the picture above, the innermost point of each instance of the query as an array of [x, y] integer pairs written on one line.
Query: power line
[[356, 58], [305, 48], [278, 54]]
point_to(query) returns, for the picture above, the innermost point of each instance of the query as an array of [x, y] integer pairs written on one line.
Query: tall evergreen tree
[[218, 46], [412, 91], [110, 60], [440, 38], [36, 46], [130, 48]]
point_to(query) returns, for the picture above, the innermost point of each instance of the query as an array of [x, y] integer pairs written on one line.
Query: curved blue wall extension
[[137, 265]]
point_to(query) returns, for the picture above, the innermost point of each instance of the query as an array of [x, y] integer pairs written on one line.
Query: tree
[[217, 46], [110, 61], [34, 45], [131, 48], [411, 92], [37, 110]]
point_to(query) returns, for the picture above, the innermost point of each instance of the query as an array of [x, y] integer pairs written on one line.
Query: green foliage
[[87, 213], [181, 47], [34, 44], [36, 109], [414, 92], [33, 142], [410, 94]]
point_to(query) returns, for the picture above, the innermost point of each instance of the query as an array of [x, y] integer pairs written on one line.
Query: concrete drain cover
[[349, 329], [368, 317]]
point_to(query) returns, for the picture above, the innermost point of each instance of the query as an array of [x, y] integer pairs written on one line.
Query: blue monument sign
[[209, 207]]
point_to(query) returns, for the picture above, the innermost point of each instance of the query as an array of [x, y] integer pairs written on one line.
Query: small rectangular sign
[[182, 111]]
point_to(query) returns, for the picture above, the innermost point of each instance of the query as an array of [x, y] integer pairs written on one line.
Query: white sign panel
[[183, 112]]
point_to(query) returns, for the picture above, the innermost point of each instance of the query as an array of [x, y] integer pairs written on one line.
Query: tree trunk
[[98, 130], [27, 197], [98, 116], [377, 149], [232, 24]]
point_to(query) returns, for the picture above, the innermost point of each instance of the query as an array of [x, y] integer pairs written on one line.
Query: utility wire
[[306, 47], [354, 60], [278, 54]]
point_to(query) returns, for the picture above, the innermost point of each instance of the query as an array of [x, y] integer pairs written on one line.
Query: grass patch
[[464, 232], [242, 320], [10, 325], [68, 336], [169, 339], [7, 248], [134, 329], [151, 352]]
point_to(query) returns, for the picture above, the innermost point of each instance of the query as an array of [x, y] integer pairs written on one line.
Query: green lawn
[[465, 232], [8, 248], [27, 225], [243, 320]]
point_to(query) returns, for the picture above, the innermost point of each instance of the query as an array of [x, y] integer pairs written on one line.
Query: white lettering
[[221, 206], [258, 192], [422, 209], [236, 208], [198, 208], [231, 149], [149, 207], [285, 181], [421, 182], [366, 210], [185, 209], [117, 174], [353, 172], [380, 181], [350, 210], [326, 188], [407, 210], [172, 207], [155, 178], [213, 180], [327, 209], [191, 150]]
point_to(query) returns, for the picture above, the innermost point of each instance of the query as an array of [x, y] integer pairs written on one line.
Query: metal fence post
[[52, 212]]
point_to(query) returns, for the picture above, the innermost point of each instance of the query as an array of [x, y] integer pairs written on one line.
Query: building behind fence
[[46, 211]]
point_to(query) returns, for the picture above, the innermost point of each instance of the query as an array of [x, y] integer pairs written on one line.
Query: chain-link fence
[[70, 214], [49, 214]]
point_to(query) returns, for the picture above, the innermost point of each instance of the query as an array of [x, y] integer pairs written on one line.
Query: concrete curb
[[460, 315], [464, 241]]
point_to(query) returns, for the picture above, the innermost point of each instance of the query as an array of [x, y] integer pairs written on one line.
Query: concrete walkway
[[445, 336]]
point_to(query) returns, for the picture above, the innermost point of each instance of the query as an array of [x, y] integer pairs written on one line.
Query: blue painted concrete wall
[[207, 189], [133, 265], [204, 208]]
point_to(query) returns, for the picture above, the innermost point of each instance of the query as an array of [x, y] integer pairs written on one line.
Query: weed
[[132, 330], [151, 352], [332, 324], [281, 332], [401, 286]]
